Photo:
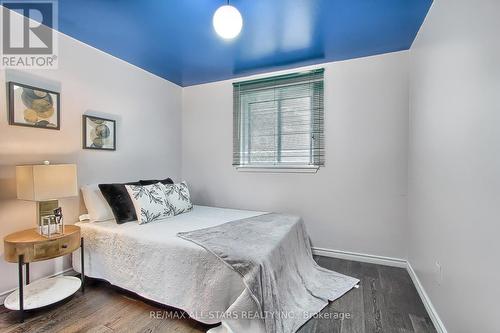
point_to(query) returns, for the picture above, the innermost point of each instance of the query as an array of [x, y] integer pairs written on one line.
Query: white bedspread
[[151, 261]]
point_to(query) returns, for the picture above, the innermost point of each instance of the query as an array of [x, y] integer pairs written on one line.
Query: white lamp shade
[[46, 182], [227, 22]]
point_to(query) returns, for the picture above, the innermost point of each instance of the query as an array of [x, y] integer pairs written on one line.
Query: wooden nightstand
[[28, 246]]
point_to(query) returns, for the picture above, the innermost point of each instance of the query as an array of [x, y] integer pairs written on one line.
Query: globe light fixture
[[227, 21]]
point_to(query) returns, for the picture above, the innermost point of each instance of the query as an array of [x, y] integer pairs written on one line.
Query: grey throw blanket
[[272, 253]]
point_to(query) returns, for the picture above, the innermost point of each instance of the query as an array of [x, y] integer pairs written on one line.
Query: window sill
[[278, 169]]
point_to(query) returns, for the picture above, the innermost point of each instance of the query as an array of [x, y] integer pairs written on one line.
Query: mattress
[[151, 261]]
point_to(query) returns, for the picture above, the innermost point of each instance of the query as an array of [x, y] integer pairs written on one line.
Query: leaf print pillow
[[149, 202], [178, 197]]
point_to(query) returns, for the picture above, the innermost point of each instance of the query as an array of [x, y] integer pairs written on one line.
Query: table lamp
[[45, 184]]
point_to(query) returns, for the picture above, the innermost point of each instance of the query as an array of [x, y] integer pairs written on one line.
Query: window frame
[[242, 111]]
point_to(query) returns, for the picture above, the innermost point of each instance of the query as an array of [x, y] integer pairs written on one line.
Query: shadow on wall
[[32, 80], [7, 188], [204, 197]]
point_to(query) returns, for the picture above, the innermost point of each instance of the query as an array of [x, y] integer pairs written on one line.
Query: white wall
[[357, 202], [454, 177], [148, 113]]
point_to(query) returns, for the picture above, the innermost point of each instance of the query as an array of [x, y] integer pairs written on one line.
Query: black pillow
[[165, 181], [119, 200]]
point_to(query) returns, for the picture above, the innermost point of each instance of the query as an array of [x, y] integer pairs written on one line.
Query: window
[[278, 122]]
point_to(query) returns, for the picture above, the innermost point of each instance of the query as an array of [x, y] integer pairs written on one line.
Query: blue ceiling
[[175, 39]]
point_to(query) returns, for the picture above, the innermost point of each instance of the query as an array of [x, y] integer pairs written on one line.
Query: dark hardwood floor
[[386, 301]]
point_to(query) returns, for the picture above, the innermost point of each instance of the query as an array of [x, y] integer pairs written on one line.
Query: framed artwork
[[33, 107], [99, 133]]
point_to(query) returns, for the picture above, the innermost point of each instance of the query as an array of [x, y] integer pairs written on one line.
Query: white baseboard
[[67, 271], [368, 258], [388, 261], [438, 324]]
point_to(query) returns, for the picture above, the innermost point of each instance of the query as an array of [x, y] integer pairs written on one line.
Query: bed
[[175, 262], [173, 271]]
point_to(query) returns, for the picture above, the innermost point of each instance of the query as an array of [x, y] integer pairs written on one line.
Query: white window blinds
[[278, 121]]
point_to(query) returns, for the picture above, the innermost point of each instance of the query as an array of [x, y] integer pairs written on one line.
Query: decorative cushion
[[97, 206], [154, 181], [179, 198], [149, 202], [119, 200]]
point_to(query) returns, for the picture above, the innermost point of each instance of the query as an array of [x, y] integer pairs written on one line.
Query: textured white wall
[[357, 202], [148, 113], [454, 177]]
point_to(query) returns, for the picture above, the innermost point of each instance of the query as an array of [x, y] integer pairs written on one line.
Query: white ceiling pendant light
[[227, 21]]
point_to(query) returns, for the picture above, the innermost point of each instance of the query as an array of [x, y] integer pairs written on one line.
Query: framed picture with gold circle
[[99, 133], [33, 107]]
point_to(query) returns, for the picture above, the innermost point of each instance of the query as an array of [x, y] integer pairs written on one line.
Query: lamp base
[[43, 209]]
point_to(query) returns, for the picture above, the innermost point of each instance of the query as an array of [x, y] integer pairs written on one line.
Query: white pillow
[[178, 196], [149, 202], [97, 207]]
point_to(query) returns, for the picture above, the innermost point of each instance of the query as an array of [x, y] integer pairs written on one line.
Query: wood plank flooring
[[386, 301]]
